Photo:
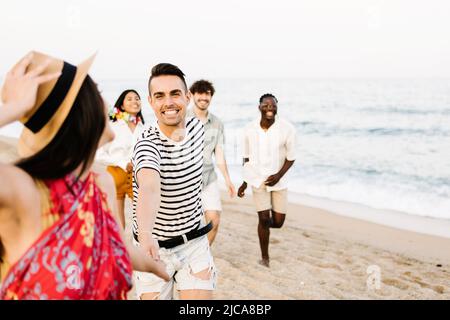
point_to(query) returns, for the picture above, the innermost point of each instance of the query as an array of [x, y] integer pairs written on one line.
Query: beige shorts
[[273, 200], [211, 197]]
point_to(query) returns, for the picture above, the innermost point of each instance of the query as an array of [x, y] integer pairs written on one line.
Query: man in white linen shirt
[[269, 152]]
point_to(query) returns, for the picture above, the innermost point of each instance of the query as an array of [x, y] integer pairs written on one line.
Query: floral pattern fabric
[[81, 256]]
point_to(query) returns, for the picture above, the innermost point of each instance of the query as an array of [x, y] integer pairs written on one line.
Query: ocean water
[[383, 143]]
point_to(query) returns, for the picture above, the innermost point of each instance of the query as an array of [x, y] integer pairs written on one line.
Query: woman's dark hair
[[119, 104], [77, 140]]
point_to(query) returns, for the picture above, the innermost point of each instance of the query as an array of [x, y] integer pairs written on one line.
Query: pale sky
[[235, 38]]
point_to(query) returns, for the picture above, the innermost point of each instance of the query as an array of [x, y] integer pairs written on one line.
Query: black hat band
[[49, 107]]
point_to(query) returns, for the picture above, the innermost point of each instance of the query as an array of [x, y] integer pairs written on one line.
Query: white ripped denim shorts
[[182, 262]]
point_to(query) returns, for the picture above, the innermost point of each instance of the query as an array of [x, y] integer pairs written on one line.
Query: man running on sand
[[269, 152]]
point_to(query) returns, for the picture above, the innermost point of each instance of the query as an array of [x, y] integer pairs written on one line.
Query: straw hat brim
[[30, 143]]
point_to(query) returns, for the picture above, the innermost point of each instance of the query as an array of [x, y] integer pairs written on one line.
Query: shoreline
[[390, 218]]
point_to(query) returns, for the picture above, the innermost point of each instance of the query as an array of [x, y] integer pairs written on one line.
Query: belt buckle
[[185, 239]]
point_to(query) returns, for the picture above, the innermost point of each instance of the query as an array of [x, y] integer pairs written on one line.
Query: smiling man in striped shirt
[[168, 219]]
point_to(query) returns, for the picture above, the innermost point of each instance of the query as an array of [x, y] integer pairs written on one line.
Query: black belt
[[176, 241]]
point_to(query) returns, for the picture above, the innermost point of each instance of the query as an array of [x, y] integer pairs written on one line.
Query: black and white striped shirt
[[180, 166]]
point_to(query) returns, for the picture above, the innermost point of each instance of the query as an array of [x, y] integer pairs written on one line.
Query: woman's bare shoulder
[[105, 181], [17, 188], [102, 177]]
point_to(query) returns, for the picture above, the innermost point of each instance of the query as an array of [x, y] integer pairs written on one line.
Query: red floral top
[[81, 256]]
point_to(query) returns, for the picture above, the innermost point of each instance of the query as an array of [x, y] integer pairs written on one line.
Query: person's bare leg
[[121, 209], [264, 235], [150, 296], [277, 220], [198, 294], [213, 216]]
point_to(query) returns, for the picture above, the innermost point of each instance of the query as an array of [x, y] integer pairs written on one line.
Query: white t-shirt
[[267, 151], [119, 151]]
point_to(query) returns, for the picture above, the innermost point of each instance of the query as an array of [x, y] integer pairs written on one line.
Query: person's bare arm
[[241, 190], [147, 207], [140, 259], [222, 165], [273, 179], [19, 209], [19, 190], [6, 192]]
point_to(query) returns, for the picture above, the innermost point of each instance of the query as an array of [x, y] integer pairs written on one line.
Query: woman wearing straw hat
[[58, 237], [126, 122]]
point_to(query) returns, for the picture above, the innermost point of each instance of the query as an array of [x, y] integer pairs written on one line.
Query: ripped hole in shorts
[[206, 275]]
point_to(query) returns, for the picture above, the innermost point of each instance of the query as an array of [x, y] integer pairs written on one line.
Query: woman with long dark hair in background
[[126, 122]]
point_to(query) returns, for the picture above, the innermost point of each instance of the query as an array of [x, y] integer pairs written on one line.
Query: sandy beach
[[321, 255]]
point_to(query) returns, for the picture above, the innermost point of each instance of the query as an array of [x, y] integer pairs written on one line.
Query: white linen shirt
[[267, 151], [119, 151]]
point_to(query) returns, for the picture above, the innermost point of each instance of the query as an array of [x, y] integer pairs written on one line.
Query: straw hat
[[53, 103]]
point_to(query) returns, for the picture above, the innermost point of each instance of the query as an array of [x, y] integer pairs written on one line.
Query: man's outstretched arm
[[147, 207]]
